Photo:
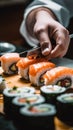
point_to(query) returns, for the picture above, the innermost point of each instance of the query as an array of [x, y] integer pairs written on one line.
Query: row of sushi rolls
[[23, 105]]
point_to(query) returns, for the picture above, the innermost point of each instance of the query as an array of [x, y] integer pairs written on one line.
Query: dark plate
[[6, 47]]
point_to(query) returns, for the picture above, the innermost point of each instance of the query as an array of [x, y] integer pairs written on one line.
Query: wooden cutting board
[[15, 80]]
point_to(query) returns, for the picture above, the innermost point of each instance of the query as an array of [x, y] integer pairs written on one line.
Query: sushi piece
[[50, 92], [38, 116], [37, 70], [2, 84], [8, 63], [9, 94], [62, 76], [23, 66], [24, 100], [64, 108], [28, 90], [29, 99]]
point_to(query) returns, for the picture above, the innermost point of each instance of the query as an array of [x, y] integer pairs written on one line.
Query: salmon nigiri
[[62, 76], [23, 66], [37, 70], [8, 62]]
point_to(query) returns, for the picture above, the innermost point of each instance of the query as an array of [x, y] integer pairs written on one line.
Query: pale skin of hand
[[42, 24]]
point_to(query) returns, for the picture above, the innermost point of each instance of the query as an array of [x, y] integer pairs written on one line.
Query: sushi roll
[[28, 99], [65, 108], [8, 63], [2, 84], [24, 100], [37, 70], [8, 95], [62, 76], [23, 66], [50, 92], [28, 90], [38, 116]]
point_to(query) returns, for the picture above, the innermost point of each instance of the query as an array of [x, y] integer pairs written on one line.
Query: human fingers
[[62, 43], [44, 40]]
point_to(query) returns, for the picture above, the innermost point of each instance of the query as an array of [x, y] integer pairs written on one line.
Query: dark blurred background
[[11, 16], [70, 50]]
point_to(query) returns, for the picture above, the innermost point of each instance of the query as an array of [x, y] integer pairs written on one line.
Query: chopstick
[[30, 52], [38, 49]]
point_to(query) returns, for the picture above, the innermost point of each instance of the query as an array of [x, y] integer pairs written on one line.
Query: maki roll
[[65, 108], [37, 70], [2, 84], [23, 66], [8, 95], [50, 92], [8, 63], [24, 100], [62, 76], [28, 90], [28, 99], [38, 116]]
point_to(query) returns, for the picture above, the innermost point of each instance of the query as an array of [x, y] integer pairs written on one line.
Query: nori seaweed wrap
[[10, 93], [50, 92], [23, 101], [39, 116], [64, 108]]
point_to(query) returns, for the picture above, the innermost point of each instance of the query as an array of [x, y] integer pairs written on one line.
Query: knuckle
[[38, 29], [65, 31]]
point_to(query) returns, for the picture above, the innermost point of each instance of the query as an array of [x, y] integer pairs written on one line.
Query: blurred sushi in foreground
[[38, 116], [28, 99], [50, 92], [37, 70], [8, 63], [24, 100], [28, 90], [10, 93], [23, 66], [65, 108], [62, 76]]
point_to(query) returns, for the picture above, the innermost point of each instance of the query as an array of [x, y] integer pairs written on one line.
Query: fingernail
[[46, 51]]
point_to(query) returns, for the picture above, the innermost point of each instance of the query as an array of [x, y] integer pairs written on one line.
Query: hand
[[46, 27]]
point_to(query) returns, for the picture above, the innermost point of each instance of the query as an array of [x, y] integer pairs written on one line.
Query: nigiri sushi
[[8, 62], [37, 70], [62, 76], [23, 66]]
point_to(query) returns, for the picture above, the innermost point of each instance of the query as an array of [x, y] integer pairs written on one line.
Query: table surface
[[15, 80]]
